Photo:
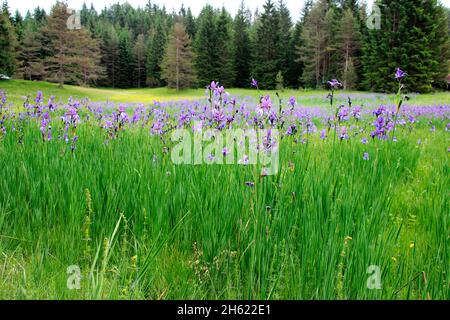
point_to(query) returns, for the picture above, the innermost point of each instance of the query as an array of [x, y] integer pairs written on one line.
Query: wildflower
[[334, 84], [250, 184], [344, 134], [292, 101], [39, 97], [254, 83], [213, 86], [266, 103], [399, 74], [366, 156], [364, 140], [225, 152], [244, 160], [323, 134], [292, 130], [356, 112]]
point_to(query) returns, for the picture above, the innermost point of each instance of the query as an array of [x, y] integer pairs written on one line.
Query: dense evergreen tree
[[285, 49], [409, 38], [177, 65], [126, 65], [140, 57], [349, 40], [224, 47], [190, 23], [8, 43], [110, 56], [242, 58], [207, 58], [123, 46], [31, 66], [155, 54], [267, 61]]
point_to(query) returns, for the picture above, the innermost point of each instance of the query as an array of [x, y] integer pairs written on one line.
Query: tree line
[[126, 47]]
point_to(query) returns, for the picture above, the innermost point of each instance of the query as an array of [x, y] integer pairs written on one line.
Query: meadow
[[359, 208]]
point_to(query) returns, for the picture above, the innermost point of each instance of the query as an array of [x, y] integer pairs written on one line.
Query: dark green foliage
[[412, 37], [330, 40], [242, 58], [225, 49], [125, 78], [207, 57], [267, 57], [7, 45], [155, 54]]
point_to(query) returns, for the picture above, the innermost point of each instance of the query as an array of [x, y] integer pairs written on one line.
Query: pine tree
[[140, 57], [190, 23], [297, 45], [18, 25], [61, 54], [315, 42], [8, 44], [349, 44], [285, 49], [242, 48], [177, 64], [267, 63], [110, 56], [207, 58], [155, 54], [225, 49], [89, 57], [31, 66], [126, 66], [409, 38]]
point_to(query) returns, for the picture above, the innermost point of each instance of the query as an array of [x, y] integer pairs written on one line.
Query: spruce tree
[[155, 54], [31, 66], [8, 44], [242, 48], [207, 61], [313, 50], [266, 56], [177, 66], [126, 66], [225, 49], [110, 56], [411, 38], [349, 43], [285, 49], [140, 57], [190, 23], [61, 53]]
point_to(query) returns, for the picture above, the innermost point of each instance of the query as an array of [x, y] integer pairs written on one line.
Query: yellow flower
[[411, 245], [394, 259]]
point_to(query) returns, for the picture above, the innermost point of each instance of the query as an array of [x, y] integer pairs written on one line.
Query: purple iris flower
[[334, 84], [399, 74], [266, 103], [366, 156], [323, 134], [254, 83], [292, 101]]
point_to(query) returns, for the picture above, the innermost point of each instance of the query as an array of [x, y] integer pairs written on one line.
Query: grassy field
[[17, 89], [136, 226]]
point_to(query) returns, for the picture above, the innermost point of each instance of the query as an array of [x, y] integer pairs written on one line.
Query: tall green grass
[[140, 227]]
